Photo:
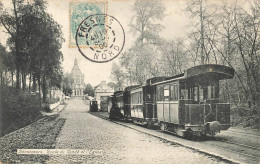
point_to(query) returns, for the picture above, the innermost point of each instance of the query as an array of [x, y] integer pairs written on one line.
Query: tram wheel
[[163, 126], [149, 125]]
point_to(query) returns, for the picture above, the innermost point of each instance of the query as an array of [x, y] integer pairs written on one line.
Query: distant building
[[102, 92], [55, 93], [78, 77]]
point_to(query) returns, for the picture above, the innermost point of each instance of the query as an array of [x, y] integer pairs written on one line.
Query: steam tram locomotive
[[187, 104]]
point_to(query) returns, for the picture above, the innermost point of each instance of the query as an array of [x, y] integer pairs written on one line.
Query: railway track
[[221, 140], [242, 149], [235, 143], [243, 133], [228, 151]]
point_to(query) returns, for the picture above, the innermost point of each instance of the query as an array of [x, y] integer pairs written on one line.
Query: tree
[[12, 22], [67, 84], [138, 62], [231, 35], [247, 28], [174, 57], [117, 75], [112, 85], [146, 12], [4, 64], [35, 40], [89, 90], [202, 15]]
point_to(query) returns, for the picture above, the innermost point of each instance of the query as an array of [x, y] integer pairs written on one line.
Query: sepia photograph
[[130, 82]]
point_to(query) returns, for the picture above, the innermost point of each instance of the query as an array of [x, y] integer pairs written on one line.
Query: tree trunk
[[12, 73], [1, 112], [30, 80], [17, 56], [202, 34], [23, 81], [34, 83], [1, 75], [17, 77], [39, 85], [44, 89]]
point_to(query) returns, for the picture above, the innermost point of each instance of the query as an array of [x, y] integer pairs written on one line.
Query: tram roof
[[118, 92], [200, 73], [131, 87], [136, 87], [210, 72]]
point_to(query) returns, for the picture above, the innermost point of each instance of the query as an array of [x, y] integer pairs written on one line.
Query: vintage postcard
[[129, 82]]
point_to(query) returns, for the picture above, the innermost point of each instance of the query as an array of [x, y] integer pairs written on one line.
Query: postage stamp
[[103, 35], [78, 12]]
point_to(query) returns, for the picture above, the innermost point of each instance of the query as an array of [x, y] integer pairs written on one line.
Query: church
[[78, 79]]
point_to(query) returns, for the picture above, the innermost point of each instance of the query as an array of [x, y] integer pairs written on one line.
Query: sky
[[175, 25]]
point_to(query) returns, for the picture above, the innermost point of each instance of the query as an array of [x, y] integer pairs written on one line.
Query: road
[[118, 143]]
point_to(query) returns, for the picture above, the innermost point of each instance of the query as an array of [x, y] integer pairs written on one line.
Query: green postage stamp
[[78, 12]]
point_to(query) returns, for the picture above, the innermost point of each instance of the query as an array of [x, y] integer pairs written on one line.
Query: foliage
[[5, 63], [241, 116], [202, 15], [89, 90], [174, 57], [117, 75], [112, 85], [20, 108], [35, 40], [67, 84], [138, 62], [142, 23], [34, 57]]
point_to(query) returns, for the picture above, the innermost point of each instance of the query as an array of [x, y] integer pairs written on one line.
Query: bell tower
[[78, 80]]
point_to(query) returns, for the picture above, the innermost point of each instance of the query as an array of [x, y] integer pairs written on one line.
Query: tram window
[[200, 94], [174, 93], [191, 93], [148, 96], [135, 98], [212, 91], [166, 93], [184, 94], [160, 93], [196, 93]]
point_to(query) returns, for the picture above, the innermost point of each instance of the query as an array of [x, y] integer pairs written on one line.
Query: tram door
[[148, 102]]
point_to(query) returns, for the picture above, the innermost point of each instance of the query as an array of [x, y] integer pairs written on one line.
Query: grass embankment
[[243, 117], [38, 135], [19, 109]]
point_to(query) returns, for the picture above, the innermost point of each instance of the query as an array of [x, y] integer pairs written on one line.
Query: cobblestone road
[[119, 144]]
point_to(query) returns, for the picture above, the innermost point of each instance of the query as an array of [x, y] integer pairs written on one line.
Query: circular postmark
[[100, 38]]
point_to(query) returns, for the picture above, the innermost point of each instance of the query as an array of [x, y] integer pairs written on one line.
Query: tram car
[[142, 104], [116, 105], [187, 104], [119, 104]]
